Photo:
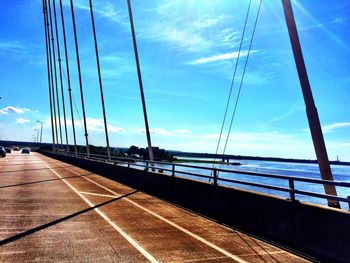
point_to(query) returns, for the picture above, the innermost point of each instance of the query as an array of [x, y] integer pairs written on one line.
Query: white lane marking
[[226, 253], [267, 253], [115, 226], [97, 194]]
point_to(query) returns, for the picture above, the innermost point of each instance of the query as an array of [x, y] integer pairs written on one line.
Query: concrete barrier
[[317, 231]]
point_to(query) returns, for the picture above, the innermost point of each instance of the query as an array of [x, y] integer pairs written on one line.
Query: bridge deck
[[52, 211]]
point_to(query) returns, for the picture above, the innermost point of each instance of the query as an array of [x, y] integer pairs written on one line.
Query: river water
[[340, 173]]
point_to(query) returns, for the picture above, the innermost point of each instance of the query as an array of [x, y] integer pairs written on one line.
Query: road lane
[[134, 228]]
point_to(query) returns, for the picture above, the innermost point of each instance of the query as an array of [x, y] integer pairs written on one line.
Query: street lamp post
[[41, 130], [35, 137]]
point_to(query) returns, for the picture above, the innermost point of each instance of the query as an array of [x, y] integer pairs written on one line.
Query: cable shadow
[[60, 220], [29, 170], [255, 251], [44, 181], [259, 245]]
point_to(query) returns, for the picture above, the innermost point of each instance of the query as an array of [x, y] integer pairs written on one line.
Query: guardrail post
[[146, 166], [215, 175], [128, 163], [349, 203], [291, 187], [173, 170]]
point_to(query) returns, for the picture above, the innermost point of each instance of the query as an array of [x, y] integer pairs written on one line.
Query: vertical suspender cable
[[100, 79], [48, 77], [232, 81], [242, 78], [68, 77], [55, 71], [80, 79], [60, 70], [51, 73], [140, 83]]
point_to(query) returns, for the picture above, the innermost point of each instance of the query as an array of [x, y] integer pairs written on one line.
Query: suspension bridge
[[63, 204]]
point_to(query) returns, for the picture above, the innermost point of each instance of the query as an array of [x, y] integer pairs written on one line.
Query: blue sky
[[187, 53]]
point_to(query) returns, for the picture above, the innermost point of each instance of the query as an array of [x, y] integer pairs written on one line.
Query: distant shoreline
[[179, 160], [253, 158]]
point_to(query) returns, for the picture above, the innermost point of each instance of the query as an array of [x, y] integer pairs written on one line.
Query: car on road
[[8, 149], [2, 152], [25, 150], [15, 149]]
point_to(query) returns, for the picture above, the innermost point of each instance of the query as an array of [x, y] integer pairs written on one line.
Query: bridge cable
[[60, 72], [48, 72], [51, 74], [100, 79], [148, 135], [75, 107], [242, 78], [232, 81], [55, 71], [68, 76], [80, 79]]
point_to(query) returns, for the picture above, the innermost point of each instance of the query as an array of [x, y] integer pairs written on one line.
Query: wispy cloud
[[22, 120], [182, 131], [189, 32], [14, 48], [285, 115], [338, 125], [183, 39], [93, 124], [10, 46], [221, 57], [12, 109], [116, 65], [322, 25], [160, 131], [97, 125], [107, 10]]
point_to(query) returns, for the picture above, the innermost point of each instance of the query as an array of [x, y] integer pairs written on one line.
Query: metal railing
[[173, 169]]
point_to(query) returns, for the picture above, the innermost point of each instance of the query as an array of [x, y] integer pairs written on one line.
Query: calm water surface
[[340, 173]]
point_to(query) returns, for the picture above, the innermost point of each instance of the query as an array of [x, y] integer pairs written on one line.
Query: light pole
[[36, 135], [41, 130]]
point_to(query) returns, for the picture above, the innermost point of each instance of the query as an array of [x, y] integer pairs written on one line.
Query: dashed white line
[[226, 253], [115, 226], [102, 195]]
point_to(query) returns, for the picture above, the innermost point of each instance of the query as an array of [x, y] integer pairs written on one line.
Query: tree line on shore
[[131, 152]]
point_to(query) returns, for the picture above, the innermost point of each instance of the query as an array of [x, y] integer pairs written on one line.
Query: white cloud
[[331, 127], [208, 22], [173, 24], [116, 65], [12, 109], [17, 50], [221, 57], [286, 114], [106, 10], [10, 45], [158, 131], [22, 120], [96, 125], [182, 131], [183, 39]]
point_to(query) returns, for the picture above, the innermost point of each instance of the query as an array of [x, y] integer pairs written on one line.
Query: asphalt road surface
[[51, 211]]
